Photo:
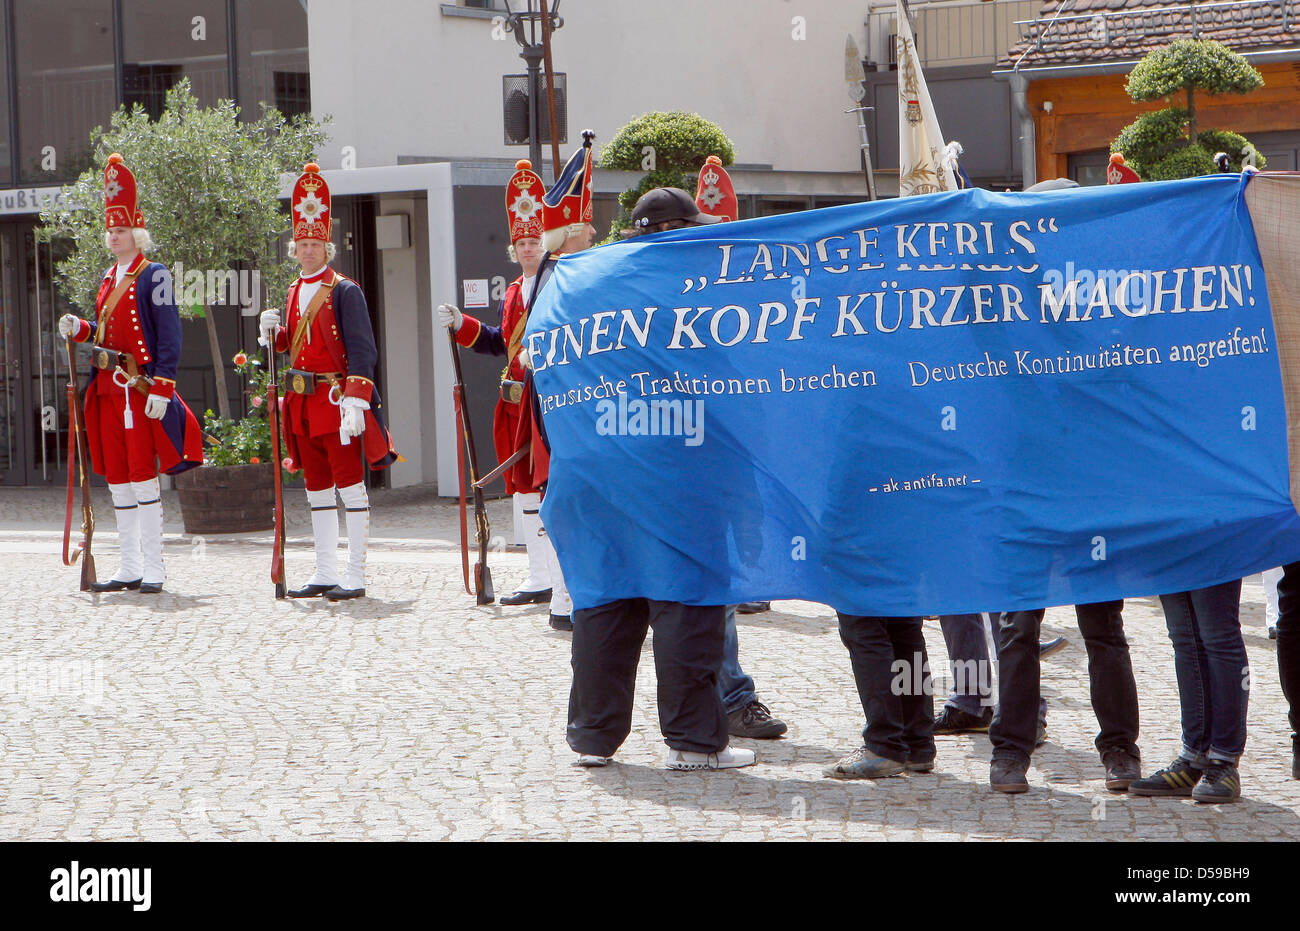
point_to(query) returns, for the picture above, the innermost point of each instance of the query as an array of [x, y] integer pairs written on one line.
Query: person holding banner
[[330, 399], [690, 641], [136, 423], [1213, 676], [1288, 653], [524, 195]]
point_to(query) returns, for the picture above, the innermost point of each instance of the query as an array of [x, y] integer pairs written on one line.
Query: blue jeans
[[735, 688], [1212, 671]]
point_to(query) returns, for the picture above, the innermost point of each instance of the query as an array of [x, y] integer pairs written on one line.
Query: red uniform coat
[[147, 325], [341, 341], [509, 421]]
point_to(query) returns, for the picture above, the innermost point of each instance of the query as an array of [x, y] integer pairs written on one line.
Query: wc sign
[[476, 293]]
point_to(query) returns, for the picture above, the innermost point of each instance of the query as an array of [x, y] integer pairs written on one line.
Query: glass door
[[47, 369], [12, 470]]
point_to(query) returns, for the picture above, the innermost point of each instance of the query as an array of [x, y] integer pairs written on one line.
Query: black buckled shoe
[[115, 585], [310, 591], [542, 597], [151, 588], [562, 622], [343, 594]]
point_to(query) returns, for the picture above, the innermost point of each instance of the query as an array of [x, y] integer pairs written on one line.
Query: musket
[[273, 421], [482, 575], [500, 470], [77, 452]]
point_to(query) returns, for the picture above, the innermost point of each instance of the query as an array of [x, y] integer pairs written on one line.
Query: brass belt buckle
[[512, 392]]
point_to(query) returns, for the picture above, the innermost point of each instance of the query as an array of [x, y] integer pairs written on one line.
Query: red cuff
[[469, 330], [83, 331], [282, 339], [163, 387], [358, 387]]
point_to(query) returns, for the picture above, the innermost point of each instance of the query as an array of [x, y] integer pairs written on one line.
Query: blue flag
[[952, 403]]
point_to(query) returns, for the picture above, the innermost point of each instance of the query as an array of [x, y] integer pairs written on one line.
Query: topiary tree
[[671, 147], [209, 187], [1167, 144]]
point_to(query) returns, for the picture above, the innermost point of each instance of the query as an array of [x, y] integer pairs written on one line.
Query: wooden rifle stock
[[482, 574], [78, 453], [273, 419]]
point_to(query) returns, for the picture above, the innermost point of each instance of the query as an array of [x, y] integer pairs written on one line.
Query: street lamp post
[[525, 21]]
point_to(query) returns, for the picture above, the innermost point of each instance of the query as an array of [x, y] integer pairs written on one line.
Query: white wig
[[554, 240], [143, 241], [330, 250]]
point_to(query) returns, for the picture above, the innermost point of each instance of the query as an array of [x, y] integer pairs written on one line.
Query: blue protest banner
[[952, 403]]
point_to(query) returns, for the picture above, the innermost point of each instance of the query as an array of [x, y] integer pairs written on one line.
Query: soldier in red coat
[[136, 424], [524, 214], [331, 413], [558, 221]]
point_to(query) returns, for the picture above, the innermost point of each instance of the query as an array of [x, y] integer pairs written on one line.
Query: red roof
[[1084, 34]]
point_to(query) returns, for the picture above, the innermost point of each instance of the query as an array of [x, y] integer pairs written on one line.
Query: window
[[6, 144], [271, 55], [163, 41], [66, 84]]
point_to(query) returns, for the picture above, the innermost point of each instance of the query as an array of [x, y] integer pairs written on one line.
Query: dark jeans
[[1110, 675], [1288, 643], [892, 672], [968, 661], [1212, 670], [1014, 730], [688, 651], [1110, 670]]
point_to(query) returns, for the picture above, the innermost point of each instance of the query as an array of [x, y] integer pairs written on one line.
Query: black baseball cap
[[663, 204]]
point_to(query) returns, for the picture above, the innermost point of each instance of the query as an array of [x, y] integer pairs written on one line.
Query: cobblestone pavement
[[215, 712]]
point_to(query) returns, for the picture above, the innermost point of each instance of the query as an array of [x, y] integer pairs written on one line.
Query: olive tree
[[670, 148], [209, 186]]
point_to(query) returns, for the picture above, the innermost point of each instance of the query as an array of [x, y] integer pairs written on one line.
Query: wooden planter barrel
[[228, 499]]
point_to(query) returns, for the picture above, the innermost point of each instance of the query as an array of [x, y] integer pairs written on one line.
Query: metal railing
[[965, 32], [1131, 27]]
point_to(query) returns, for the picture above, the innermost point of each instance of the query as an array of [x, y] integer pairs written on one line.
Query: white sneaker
[[726, 758], [590, 760]]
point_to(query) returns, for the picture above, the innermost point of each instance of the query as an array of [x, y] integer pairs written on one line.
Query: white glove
[[449, 315], [267, 325], [352, 420], [155, 406], [525, 358], [69, 324]]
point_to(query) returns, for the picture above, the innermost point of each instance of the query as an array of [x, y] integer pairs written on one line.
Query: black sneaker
[[1176, 780], [1008, 776], [1122, 768], [1219, 783], [955, 721], [754, 720]]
